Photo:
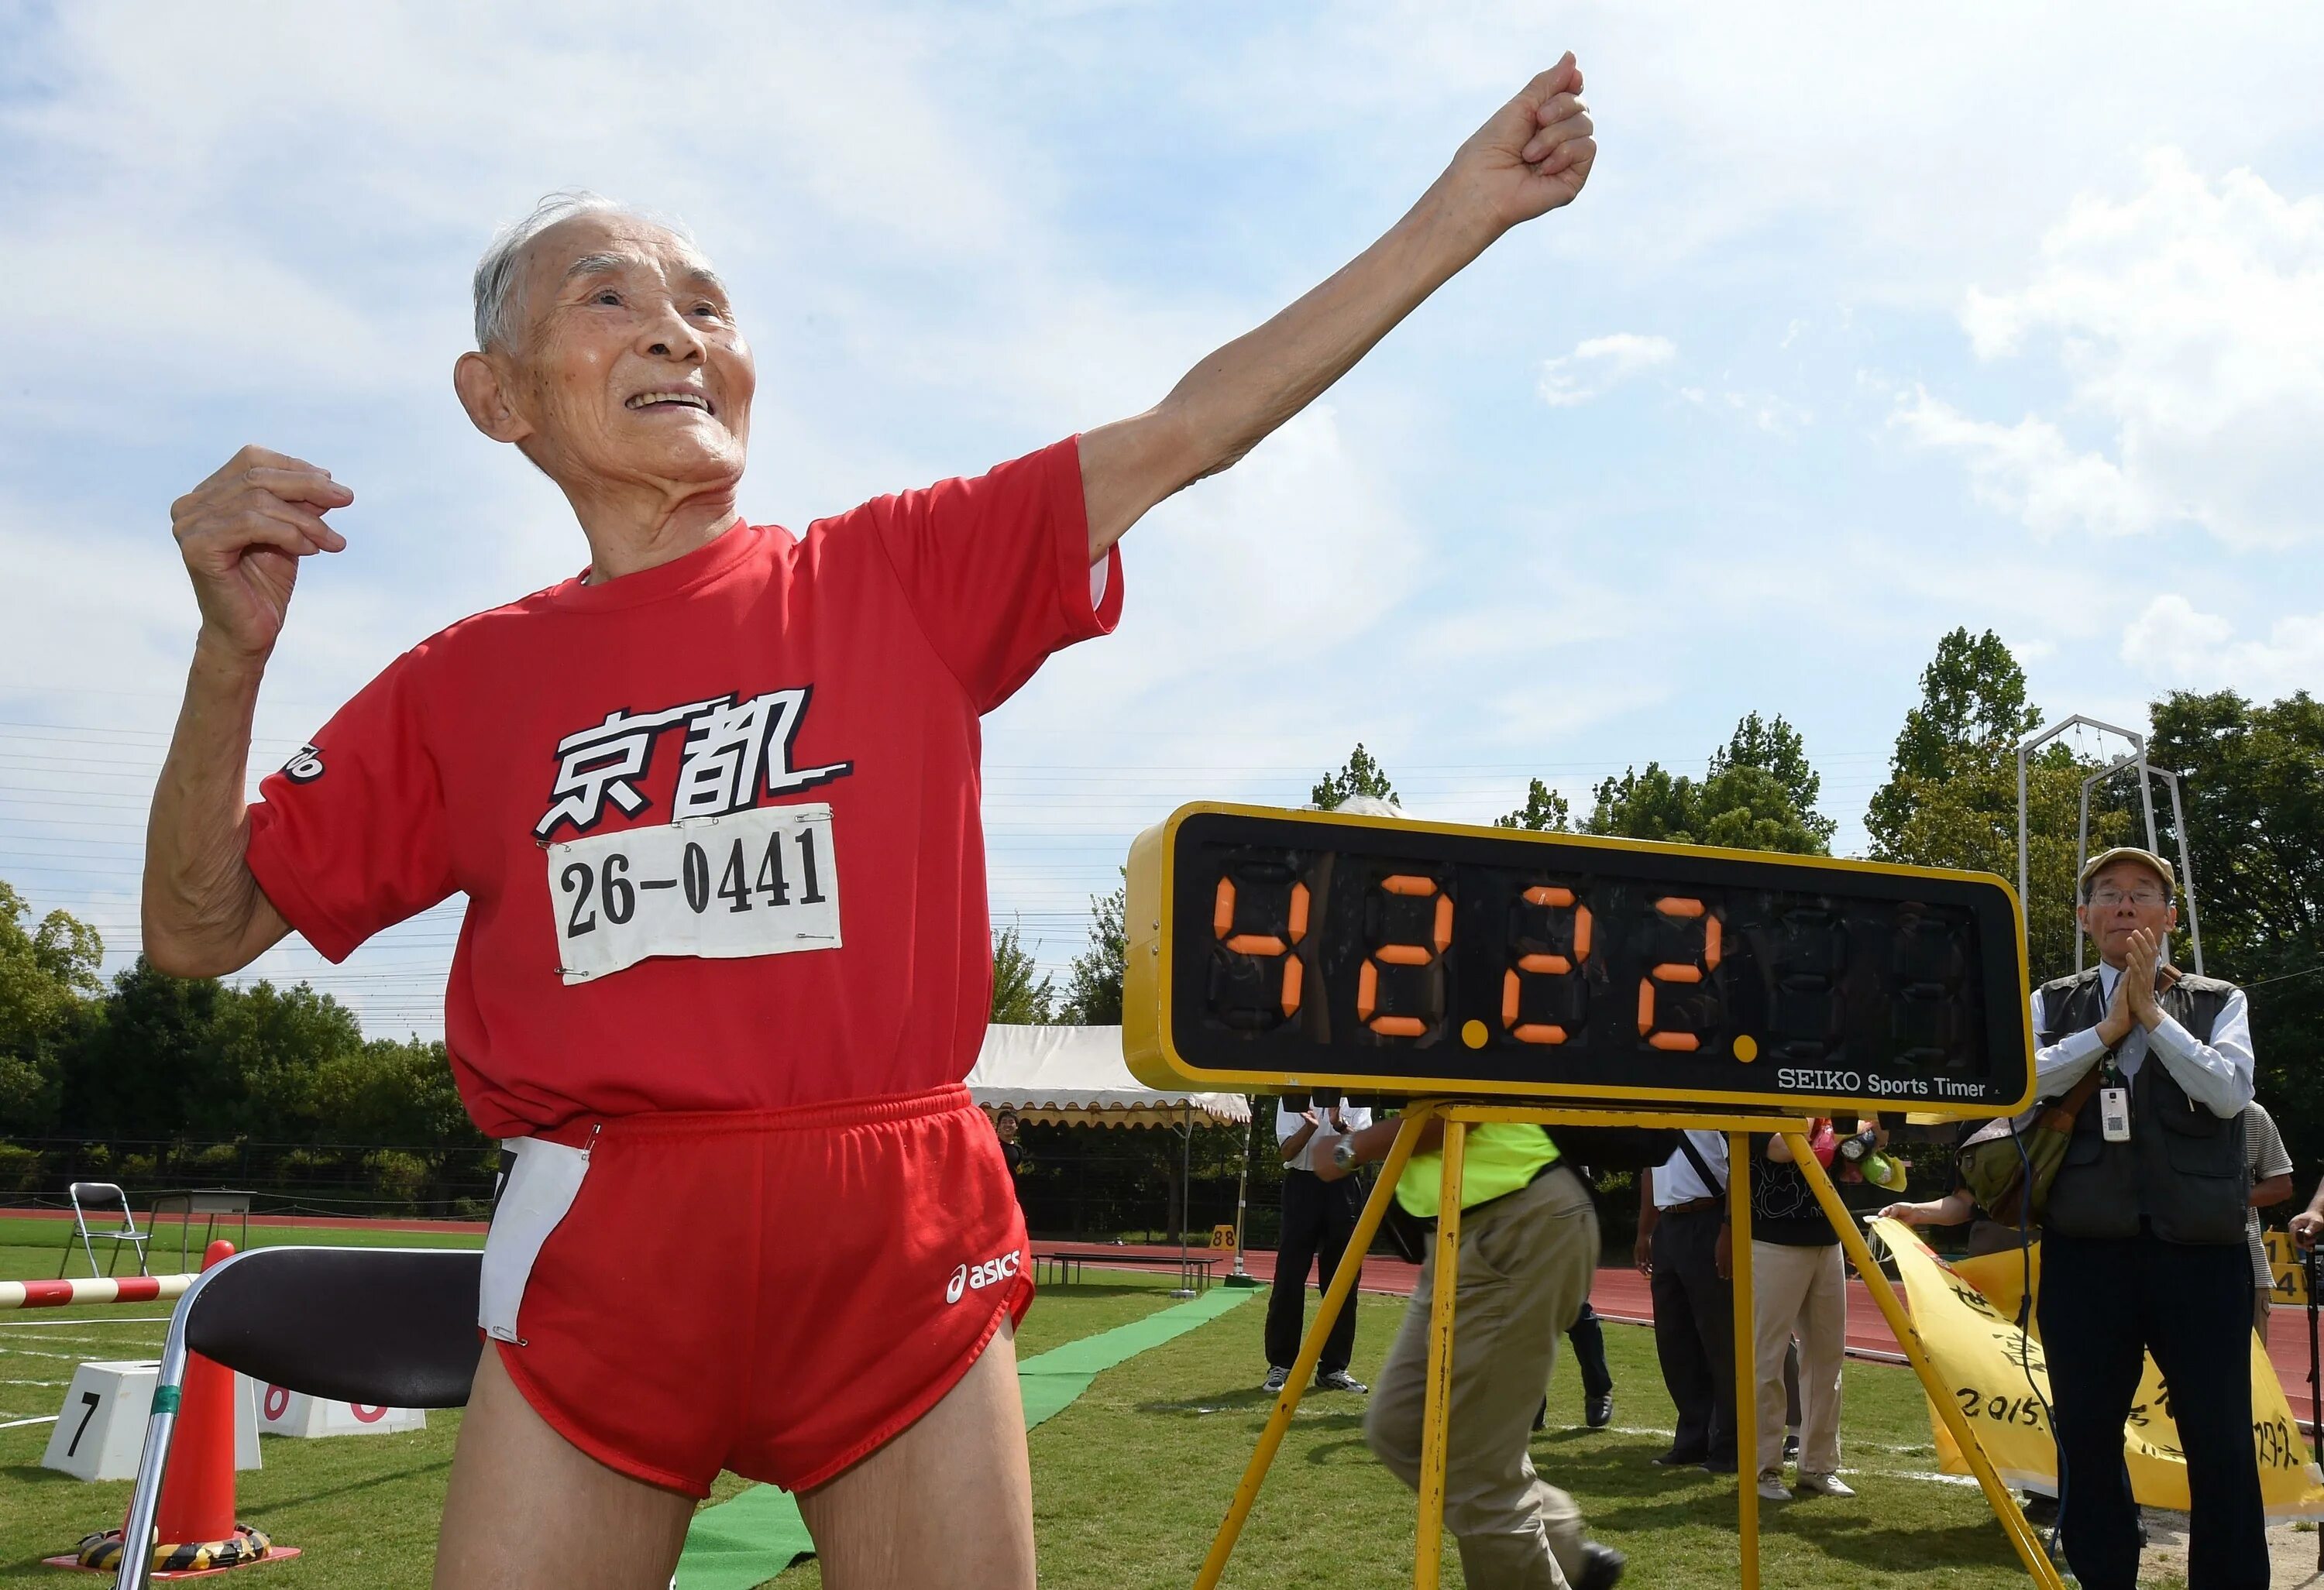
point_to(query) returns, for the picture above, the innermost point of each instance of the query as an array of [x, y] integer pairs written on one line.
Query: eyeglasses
[[2105, 895]]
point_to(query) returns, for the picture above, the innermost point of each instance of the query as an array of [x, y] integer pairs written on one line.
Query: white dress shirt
[[1677, 1181], [1288, 1122], [2217, 1075]]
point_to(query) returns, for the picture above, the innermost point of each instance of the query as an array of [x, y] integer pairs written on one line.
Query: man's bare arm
[[241, 533], [203, 915], [1533, 156]]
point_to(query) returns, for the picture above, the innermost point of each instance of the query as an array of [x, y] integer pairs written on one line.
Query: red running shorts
[[774, 1292]]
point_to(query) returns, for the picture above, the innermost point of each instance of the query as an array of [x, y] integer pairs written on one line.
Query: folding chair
[[384, 1326], [101, 1193]]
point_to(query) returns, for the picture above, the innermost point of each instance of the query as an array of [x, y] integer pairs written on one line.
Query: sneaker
[[1717, 1466], [1823, 1485], [1602, 1566], [1278, 1377], [1597, 1412], [1771, 1485], [1675, 1459], [1791, 1446], [1340, 1380]]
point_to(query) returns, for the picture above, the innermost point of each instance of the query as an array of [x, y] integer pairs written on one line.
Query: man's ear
[[483, 390]]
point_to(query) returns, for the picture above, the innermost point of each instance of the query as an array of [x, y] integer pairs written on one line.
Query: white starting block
[[101, 1428], [284, 1412]]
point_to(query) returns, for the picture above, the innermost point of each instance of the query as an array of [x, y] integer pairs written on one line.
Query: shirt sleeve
[[2217, 1075], [997, 569], [351, 836], [2058, 1066], [1286, 1122], [2274, 1159]]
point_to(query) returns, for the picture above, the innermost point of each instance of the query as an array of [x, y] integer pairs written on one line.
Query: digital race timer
[[1279, 951]]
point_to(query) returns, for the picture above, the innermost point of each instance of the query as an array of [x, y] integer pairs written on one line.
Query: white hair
[[497, 272]]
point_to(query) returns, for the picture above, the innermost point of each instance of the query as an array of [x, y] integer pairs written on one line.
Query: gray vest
[[2183, 1171]]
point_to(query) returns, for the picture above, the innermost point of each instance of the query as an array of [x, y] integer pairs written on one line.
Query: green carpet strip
[[747, 1540]]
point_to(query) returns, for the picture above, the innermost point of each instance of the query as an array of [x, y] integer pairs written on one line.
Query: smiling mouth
[[644, 400]]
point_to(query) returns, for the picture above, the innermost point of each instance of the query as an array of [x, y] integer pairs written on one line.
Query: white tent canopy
[[1077, 1075]]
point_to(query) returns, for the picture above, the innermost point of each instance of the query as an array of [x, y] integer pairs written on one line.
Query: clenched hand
[[241, 533], [1531, 156]]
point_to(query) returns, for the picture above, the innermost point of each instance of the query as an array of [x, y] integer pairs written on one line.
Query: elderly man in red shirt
[[714, 804]]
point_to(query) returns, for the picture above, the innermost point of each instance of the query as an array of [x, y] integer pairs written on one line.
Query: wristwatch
[[1343, 1153]]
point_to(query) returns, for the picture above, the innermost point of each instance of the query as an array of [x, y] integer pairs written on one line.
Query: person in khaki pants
[[1798, 1287], [1528, 1249]]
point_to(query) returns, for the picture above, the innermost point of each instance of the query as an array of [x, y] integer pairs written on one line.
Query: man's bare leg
[[947, 1505], [528, 1510]]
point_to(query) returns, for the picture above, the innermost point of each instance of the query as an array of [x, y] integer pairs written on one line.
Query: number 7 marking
[[89, 1412]]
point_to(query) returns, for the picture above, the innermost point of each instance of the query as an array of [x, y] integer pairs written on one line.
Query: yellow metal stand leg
[[1747, 1356], [1311, 1350], [2005, 1505], [1435, 1415]]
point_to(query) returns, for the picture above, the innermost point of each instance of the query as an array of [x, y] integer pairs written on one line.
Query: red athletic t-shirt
[[717, 822]]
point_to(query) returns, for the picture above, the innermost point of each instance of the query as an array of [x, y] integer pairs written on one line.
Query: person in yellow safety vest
[[1528, 1249]]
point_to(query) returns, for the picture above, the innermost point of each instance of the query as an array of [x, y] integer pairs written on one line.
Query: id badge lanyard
[[2114, 1102]]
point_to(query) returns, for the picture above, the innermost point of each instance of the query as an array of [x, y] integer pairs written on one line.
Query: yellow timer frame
[[1287, 952]]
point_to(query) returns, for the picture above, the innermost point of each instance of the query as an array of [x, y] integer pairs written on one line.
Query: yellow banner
[[1966, 1313]]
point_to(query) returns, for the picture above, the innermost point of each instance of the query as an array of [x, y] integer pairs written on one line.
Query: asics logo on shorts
[[977, 1277]]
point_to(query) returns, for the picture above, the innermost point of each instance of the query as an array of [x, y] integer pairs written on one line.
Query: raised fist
[[241, 533], [1531, 156]]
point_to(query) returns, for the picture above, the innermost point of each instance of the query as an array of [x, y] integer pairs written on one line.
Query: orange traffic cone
[[198, 1487], [194, 1518]]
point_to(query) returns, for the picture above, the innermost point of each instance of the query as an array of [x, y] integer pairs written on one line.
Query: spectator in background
[[1004, 1127], [2270, 1168], [1985, 1233], [1798, 1288], [1684, 1250], [1319, 1217]]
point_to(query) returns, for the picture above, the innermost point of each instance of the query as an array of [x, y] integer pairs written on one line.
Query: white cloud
[[2029, 471], [2178, 647], [1600, 363], [2189, 323]]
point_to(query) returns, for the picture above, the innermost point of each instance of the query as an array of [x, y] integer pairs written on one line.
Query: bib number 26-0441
[[760, 882]]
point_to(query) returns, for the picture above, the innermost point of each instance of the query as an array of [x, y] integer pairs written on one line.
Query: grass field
[[1128, 1482]]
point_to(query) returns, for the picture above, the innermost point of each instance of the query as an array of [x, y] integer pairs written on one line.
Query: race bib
[[760, 882]]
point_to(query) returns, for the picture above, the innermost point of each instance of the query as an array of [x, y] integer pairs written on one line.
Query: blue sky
[[1867, 325]]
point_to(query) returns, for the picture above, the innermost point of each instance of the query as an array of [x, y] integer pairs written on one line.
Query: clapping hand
[[2138, 972]]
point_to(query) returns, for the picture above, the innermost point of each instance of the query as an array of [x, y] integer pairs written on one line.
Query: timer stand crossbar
[[1457, 1116]]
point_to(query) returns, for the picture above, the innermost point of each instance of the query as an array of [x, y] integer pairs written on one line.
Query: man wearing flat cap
[[2143, 1249]]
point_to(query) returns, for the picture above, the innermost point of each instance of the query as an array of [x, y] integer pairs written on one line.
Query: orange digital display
[[1316, 948]]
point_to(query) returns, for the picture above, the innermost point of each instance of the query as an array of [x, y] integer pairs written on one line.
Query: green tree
[[2254, 787], [1362, 777], [1017, 998], [385, 1091], [1774, 747], [1972, 714], [1544, 810], [1093, 995], [1951, 796], [47, 989], [1739, 804]]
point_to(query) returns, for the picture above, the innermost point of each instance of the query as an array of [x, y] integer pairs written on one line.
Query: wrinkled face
[[627, 365], [2125, 897]]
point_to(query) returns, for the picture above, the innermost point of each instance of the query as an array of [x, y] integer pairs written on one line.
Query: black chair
[[385, 1327]]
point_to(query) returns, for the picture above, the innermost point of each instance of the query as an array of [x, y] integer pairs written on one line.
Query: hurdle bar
[[100, 1289]]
